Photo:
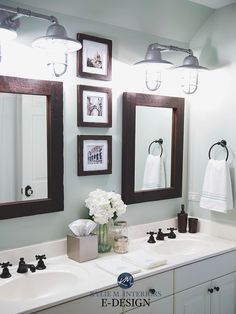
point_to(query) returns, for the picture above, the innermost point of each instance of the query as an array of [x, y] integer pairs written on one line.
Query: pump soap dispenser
[[182, 220]]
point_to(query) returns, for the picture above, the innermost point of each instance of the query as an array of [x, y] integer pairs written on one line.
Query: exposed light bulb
[[7, 34], [153, 79], [189, 80], [57, 63]]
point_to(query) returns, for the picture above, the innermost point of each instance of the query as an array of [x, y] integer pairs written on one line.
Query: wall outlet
[[194, 196]]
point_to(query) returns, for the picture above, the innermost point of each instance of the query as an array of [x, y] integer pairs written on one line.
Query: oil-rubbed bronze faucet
[[151, 238], [23, 267], [40, 264], [5, 271], [161, 236]]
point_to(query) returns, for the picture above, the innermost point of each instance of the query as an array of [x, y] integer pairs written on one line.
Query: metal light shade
[[153, 63], [190, 74], [153, 57], [7, 27], [56, 39], [191, 62]]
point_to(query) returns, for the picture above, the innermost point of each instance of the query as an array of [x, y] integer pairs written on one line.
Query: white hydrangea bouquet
[[104, 207]]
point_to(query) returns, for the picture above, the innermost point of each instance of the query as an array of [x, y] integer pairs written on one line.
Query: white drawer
[[141, 291], [91, 304], [205, 270], [161, 283]]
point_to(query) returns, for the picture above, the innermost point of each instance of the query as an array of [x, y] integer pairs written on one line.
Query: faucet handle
[[40, 257], [40, 264], [172, 235], [6, 264], [151, 238], [5, 272]]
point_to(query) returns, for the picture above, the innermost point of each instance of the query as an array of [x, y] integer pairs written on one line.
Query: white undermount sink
[[57, 279], [184, 245], [180, 246], [37, 285]]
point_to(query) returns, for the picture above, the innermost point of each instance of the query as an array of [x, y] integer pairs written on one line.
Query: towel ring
[[222, 143], [160, 142]]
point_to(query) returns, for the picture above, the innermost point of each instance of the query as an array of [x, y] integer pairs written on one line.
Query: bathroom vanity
[[206, 287], [199, 277]]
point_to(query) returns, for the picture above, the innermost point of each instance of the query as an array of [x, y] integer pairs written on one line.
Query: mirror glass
[[31, 147], [153, 159], [152, 147], [23, 141]]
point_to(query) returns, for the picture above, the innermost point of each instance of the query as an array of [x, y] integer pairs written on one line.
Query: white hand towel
[[217, 189], [117, 267], [154, 173], [143, 259]]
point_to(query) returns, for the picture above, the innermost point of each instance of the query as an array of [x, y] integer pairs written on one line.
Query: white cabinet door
[[223, 299], [193, 301], [163, 306], [195, 274]]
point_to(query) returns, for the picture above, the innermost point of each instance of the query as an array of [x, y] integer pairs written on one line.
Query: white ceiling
[[215, 4], [172, 19]]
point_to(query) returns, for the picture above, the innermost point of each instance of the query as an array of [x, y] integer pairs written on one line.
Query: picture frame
[[94, 154], [94, 106], [94, 60]]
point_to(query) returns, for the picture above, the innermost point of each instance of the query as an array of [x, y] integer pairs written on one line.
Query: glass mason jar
[[120, 237]]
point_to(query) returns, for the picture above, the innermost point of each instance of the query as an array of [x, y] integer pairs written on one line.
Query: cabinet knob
[[210, 290], [152, 291], [217, 289]]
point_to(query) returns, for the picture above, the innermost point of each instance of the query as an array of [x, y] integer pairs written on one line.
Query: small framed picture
[[94, 107], [94, 154], [94, 60]]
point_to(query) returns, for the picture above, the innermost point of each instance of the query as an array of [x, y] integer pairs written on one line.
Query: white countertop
[[91, 279]]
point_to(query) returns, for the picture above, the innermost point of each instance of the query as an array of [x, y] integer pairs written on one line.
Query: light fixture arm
[[162, 47], [20, 12]]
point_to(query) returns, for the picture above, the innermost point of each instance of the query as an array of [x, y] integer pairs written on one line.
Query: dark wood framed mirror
[[152, 147], [31, 150]]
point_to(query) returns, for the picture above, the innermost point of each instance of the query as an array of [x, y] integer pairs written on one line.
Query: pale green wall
[[213, 108], [20, 60]]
